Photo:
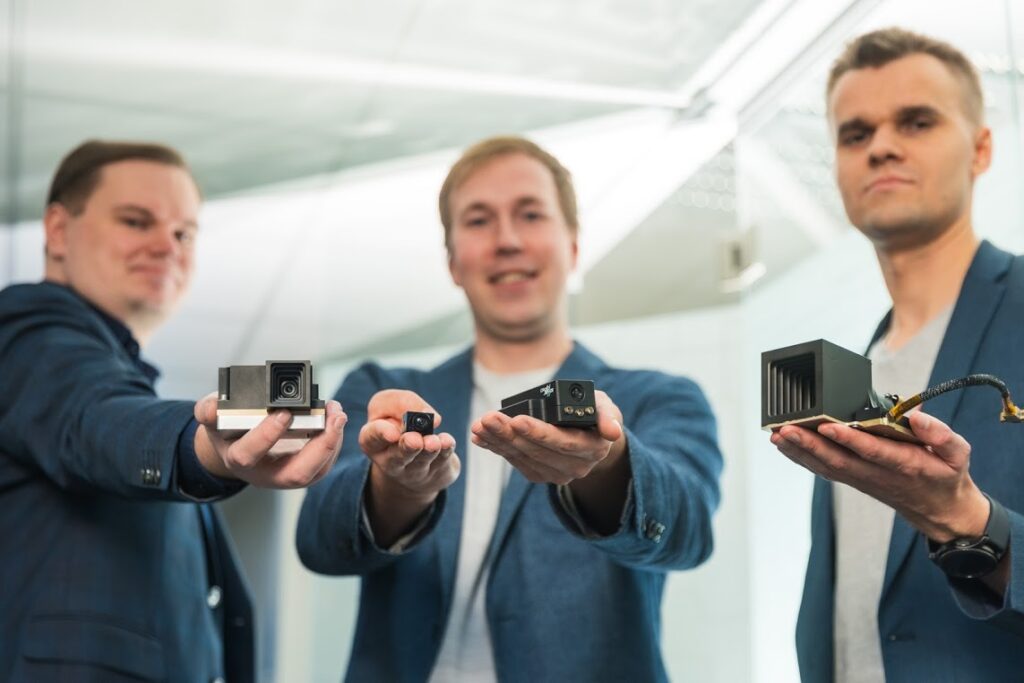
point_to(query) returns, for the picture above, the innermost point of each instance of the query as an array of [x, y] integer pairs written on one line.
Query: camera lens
[[420, 422], [289, 389], [577, 392]]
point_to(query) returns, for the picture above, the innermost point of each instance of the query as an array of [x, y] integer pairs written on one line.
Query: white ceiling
[[321, 132]]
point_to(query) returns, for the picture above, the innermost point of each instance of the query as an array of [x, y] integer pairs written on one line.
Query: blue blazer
[[934, 629], [103, 567], [559, 606]]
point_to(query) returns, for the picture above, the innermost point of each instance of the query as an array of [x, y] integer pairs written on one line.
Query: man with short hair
[[548, 562], [915, 569], [111, 571]]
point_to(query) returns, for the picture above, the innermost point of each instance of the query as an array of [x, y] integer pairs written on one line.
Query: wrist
[[966, 518], [385, 488]]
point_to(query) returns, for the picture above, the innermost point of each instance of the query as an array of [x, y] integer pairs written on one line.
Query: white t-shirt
[[466, 650]]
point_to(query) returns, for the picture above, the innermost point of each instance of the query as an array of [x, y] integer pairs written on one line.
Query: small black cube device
[[816, 382], [422, 423], [247, 393], [560, 402]]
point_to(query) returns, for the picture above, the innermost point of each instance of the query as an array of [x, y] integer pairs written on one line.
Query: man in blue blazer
[[536, 553], [110, 570], [916, 570]]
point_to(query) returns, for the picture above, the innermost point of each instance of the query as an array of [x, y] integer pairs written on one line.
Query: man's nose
[[885, 146], [508, 237], [164, 241]]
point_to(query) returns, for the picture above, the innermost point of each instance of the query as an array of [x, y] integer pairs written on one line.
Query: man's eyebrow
[[475, 206], [133, 207], [917, 110], [856, 123], [188, 222]]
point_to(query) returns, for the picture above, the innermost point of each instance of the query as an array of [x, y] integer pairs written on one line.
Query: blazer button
[[213, 598]]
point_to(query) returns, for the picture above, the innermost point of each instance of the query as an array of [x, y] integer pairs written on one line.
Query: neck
[[509, 356], [924, 280], [140, 326]]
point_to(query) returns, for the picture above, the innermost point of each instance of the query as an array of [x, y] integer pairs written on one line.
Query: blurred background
[[320, 133]]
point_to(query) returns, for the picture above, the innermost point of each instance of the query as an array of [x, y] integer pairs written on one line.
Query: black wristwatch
[[972, 558]]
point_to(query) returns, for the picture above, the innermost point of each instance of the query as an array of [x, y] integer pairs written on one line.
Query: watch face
[[967, 563]]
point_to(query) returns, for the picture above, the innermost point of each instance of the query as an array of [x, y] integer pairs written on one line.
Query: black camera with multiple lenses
[[560, 402], [421, 423], [247, 393]]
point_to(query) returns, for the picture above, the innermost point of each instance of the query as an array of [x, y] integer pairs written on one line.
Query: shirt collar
[[123, 335]]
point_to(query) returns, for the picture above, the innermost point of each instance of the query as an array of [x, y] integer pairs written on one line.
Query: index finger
[[393, 403], [565, 440], [377, 435], [254, 445], [206, 410], [609, 417]]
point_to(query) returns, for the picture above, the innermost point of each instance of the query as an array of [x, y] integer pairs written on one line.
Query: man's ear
[[55, 227], [451, 268], [982, 152]]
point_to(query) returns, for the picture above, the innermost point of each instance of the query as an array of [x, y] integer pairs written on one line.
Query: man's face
[[130, 250], [907, 153], [510, 248]]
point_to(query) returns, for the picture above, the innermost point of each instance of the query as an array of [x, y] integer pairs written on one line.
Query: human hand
[[408, 466], [929, 485], [545, 453], [256, 456]]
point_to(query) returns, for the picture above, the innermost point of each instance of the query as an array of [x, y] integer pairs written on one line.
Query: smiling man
[[916, 567], [546, 559], [109, 569]]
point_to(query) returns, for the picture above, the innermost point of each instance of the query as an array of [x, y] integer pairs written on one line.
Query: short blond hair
[[878, 48], [485, 151]]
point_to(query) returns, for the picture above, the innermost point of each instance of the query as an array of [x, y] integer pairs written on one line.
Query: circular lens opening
[[577, 393], [289, 389], [420, 422]]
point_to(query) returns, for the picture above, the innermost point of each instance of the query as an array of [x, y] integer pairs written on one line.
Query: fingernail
[[283, 417]]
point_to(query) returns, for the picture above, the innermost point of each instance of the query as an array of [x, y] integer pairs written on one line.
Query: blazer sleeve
[[75, 409], [675, 463], [330, 537], [978, 602]]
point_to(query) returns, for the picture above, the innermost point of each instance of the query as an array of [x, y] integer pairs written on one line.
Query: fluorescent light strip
[[182, 56]]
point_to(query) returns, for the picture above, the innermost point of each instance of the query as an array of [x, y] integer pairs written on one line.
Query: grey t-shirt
[[863, 526]]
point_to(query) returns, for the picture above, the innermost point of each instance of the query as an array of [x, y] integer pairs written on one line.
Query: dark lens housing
[[288, 384]]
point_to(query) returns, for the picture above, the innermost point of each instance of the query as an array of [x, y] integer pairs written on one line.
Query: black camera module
[[247, 393], [286, 383], [561, 402], [816, 382], [421, 423]]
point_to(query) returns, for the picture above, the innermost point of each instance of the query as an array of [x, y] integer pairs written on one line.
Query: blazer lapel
[[451, 386], [581, 364], [979, 298]]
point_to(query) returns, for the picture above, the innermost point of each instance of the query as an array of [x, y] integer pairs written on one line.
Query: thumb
[[205, 410], [938, 436], [609, 428]]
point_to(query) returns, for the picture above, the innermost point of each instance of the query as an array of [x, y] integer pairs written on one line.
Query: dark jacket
[[104, 569], [560, 606], [933, 629]]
